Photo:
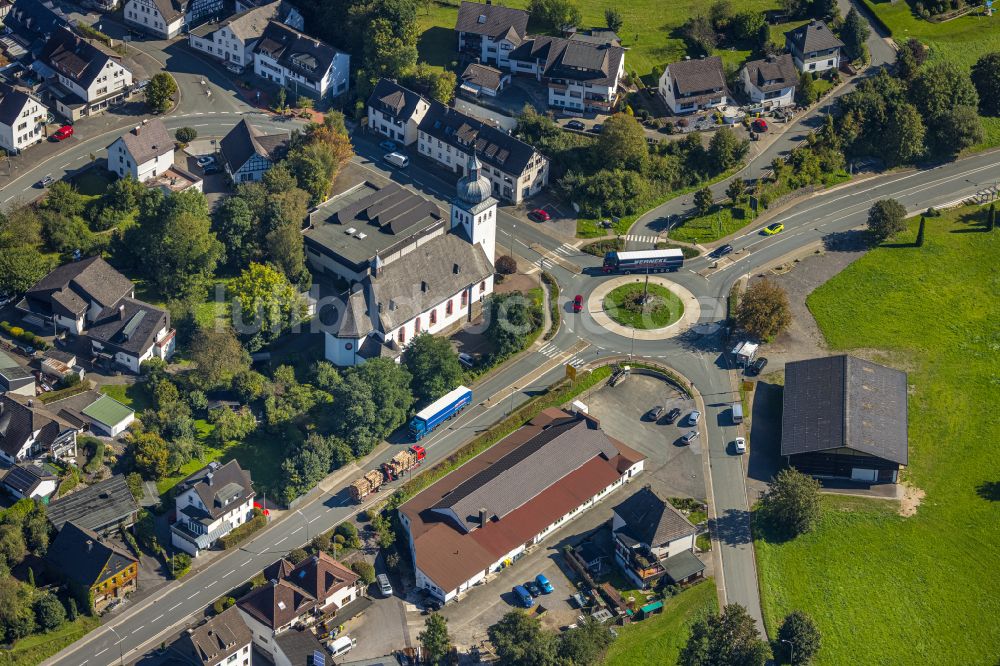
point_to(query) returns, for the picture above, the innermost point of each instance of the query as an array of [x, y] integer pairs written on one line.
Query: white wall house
[[770, 82], [223, 640], [395, 112], [490, 32], [144, 152], [248, 153], [688, 86], [89, 76], [232, 40], [136, 333], [647, 531], [22, 119], [814, 47], [300, 63], [29, 431], [163, 18], [211, 503]]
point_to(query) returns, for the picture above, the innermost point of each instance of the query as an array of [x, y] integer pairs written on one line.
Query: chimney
[[455, 269], [208, 478], [482, 517], [90, 545], [423, 285], [138, 129], [121, 311]]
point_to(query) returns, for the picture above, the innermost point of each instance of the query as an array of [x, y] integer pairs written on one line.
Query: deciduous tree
[[265, 304], [622, 142], [703, 200], [791, 505], [433, 365], [725, 150], [801, 635], [886, 218], [736, 190], [151, 455], [941, 86], [613, 19], [728, 638], [435, 640], [763, 311], [986, 79], [520, 641], [159, 92], [218, 356]]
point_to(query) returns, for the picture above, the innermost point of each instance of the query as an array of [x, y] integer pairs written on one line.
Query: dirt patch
[[908, 503], [517, 282]]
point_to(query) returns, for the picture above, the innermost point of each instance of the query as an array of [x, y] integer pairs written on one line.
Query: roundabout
[[669, 311]]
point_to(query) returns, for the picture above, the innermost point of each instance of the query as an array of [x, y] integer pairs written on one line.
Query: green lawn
[[662, 306], [721, 221], [920, 589], [659, 639], [650, 31], [131, 395], [962, 40], [38, 647]]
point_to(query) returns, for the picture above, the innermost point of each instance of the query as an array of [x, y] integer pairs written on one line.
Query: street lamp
[[510, 407], [306, 522], [791, 650], [121, 649], [513, 228]]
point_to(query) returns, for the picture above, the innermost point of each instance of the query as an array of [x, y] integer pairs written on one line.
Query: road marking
[[283, 539], [158, 617], [193, 595], [211, 584], [173, 607], [315, 519], [641, 239], [101, 652], [246, 563], [231, 572], [297, 529]]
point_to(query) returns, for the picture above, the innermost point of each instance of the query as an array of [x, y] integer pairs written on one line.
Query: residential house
[[101, 414], [211, 503], [688, 86], [144, 152], [648, 533], [301, 63], [33, 22], [479, 80], [88, 76], [411, 275], [162, 18], [487, 33], [582, 76], [480, 518], [770, 82], [90, 297], [814, 47], [30, 431], [845, 418], [514, 169], [223, 640], [396, 112], [104, 507], [15, 378], [22, 119], [30, 480], [232, 40], [95, 569], [297, 648], [57, 365], [248, 153], [296, 596]]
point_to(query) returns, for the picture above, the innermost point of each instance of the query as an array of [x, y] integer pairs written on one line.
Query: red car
[[539, 215], [759, 125], [64, 132], [578, 303]]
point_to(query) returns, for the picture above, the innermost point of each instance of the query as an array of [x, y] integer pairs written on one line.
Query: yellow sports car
[[773, 229]]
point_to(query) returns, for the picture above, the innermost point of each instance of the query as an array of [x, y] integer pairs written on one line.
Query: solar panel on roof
[[502, 156]]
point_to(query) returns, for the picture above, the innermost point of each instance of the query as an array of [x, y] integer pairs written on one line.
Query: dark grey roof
[[12, 373], [95, 507], [244, 141], [171, 10], [220, 487], [214, 640], [844, 402], [491, 20], [299, 646], [682, 566], [12, 102], [594, 63], [71, 286], [394, 100], [21, 416], [494, 147], [482, 76], [425, 277], [355, 322], [772, 73], [597, 36], [651, 520], [251, 23], [79, 59], [694, 77], [296, 51], [527, 471], [148, 140], [24, 478], [130, 327], [812, 37], [80, 556], [35, 19]]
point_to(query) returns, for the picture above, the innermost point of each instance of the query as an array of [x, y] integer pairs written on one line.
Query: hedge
[[602, 247], [27, 337], [555, 312], [238, 535], [52, 396]]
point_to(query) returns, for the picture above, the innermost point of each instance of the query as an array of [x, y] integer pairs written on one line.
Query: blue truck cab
[[523, 596], [439, 411]]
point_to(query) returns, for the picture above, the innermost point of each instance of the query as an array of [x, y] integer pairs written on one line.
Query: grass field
[[650, 31], [659, 639], [962, 40], [920, 589], [662, 308], [38, 647]]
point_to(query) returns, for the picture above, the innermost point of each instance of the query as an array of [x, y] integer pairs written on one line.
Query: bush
[[350, 534], [506, 265], [186, 134], [222, 603], [181, 565], [297, 555], [602, 247], [365, 571], [243, 531]]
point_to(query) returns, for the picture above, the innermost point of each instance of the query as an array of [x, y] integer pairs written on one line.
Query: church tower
[[474, 209]]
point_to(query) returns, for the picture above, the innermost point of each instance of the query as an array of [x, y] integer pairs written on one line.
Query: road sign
[[571, 372]]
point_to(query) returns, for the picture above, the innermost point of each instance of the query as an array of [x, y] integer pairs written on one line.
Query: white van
[[383, 585], [398, 160], [737, 410], [341, 646]]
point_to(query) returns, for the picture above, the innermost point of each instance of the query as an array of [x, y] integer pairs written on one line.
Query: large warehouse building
[[486, 514]]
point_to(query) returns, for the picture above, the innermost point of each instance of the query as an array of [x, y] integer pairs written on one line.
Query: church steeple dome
[[474, 187]]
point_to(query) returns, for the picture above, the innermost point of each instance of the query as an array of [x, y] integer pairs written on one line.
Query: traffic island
[[643, 306], [676, 311]]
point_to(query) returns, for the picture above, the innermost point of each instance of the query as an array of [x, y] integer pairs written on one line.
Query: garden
[[643, 306], [932, 592]]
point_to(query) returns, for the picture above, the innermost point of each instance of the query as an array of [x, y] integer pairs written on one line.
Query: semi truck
[[439, 411], [643, 261], [389, 471]]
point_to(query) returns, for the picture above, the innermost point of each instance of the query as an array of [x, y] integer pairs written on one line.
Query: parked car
[[205, 160], [673, 414], [64, 132], [523, 596], [689, 437], [757, 366], [722, 250], [740, 445], [655, 413], [398, 160], [596, 129], [539, 215], [466, 360], [45, 182], [578, 303], [759, 125], [533, 588], [212, 167], [388, 146], [544, 583], [575, 125], [384, 586], [694, 417], [772, 229]]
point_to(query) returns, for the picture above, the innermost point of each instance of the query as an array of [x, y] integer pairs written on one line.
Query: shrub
[[506, 265], [186, 134], [222, 603], [181, 565], [297, 555], [16, 331], [365, 571], [243, 531], [350, 534]]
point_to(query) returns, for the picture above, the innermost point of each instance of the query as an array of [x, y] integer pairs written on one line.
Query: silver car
[[690, 437], [694, 417]]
